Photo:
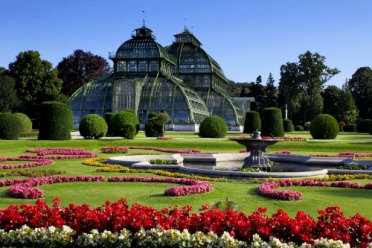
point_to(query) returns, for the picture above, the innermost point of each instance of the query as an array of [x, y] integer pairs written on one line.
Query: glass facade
[[181, 80]]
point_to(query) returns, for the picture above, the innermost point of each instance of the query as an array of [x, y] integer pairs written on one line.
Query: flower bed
[[191, 186], [37, 162], [341, 154], [63, 153], [266, 189], [163, 138], [117, 221], [113, 149]]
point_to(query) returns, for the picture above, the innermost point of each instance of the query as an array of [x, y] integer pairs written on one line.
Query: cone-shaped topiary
[[288, 125], [118, 121], [213, 127], [324, 126], [10, 126], [25, 122], [55, 121], [93, 126], [252, 122], [272, 122]]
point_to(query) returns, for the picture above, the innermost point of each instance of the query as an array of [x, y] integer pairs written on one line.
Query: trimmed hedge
[[154, 126], [252, 122], [288, 125], [10, 126], [324, 126], [108, 119], [213, 127], [349, 128], [363, 126], [129, 130], [25, 122], [93, 126], [120, 120], [299, 128], [272, 122], [55, 121]]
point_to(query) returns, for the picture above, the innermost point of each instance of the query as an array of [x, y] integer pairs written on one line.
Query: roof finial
[[184, 24], [143, 20]]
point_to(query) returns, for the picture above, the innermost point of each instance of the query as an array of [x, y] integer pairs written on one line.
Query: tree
[[35, 80], [257, 91], [80, 68], [332, 103], [8, 94], [301, 85], [361, 88], [271, 95]]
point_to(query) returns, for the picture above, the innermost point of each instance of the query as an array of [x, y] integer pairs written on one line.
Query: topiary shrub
[[349, 128], [129, 131], [213, 127], [154, 126], [71, 120], [363, 126], [272, 122], [299, 128], [55, 121], [93, 126], [25, 122], [108, 119], [118, 121], [10, 126], [252, 122], [288, 125], [324, 126]]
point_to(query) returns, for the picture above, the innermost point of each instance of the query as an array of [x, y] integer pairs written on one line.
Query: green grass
[[241, 192]]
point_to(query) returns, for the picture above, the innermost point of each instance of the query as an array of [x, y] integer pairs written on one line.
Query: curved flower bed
[[266, 189], [191, 186], [63, 153], [37, 162], [119, 149], [99, 224], [23, 188]]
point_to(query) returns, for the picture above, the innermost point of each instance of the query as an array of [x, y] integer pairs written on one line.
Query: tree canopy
[[80, 68], [8, 94], [35, 80], [361, 88], [301, 84]]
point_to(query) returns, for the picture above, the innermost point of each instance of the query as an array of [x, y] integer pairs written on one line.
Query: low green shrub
[[93, 126], [155, 125], [129, 130], [349, 128], [299, 128], [25, 122], [213, 127], [288, 125], [324, 126], [121, 119], [362, 126], [10, 126], [161, 161], [252, 122], [353, 167]]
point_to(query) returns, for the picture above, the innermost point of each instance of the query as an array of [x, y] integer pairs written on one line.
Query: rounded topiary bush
[[324, 126], [272, 122], [10, 126], [108, 119], [25, 122], [288, 125], [363, 126], [118, 121], [213, 127], [154, 127], [93, 126], [252, 122], [349, 128], [299, 128], [129, 130], [55, 121]]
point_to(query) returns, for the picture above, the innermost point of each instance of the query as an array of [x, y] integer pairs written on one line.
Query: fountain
[[256, 146]]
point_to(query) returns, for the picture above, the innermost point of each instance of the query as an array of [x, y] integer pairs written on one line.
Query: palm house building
[[181, 80]]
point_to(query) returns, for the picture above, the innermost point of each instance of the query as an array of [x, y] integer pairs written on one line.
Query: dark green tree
[[257, 91], [271, 93], [360, 86], [301, 85], [35, 81], [8, 94], [80, 68], [332, 103]]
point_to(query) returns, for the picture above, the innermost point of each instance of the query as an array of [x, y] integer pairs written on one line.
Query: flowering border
[[266, 189], [112, 149], [37, 162], [63, 153]]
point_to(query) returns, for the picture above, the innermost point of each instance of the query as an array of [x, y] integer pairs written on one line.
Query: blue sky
[[246, 37]]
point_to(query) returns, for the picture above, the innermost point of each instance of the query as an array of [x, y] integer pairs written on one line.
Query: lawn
[[241, 192]]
